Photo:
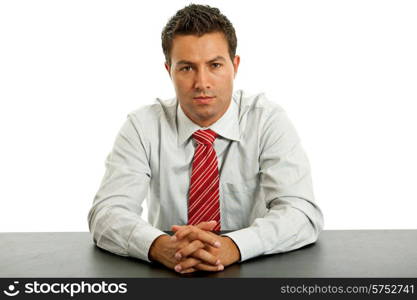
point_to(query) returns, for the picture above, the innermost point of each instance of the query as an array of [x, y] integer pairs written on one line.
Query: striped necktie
[[203, 195]]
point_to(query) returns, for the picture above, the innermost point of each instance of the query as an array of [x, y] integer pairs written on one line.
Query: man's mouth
[[203, 99]]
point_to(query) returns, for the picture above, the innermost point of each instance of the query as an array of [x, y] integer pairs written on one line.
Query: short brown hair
[[197, 20]]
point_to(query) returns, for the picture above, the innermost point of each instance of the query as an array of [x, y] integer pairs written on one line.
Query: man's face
[[203, 74]]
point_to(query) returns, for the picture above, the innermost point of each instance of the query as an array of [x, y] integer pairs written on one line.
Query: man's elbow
[[95, 218], [317, 224]]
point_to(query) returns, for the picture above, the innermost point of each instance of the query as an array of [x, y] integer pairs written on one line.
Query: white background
[[345, 71]]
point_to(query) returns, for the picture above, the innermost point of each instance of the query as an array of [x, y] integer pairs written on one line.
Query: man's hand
[[223, 248], [163, 250]]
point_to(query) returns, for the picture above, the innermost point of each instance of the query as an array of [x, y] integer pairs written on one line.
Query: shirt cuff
[[141, 240], [248, 243]]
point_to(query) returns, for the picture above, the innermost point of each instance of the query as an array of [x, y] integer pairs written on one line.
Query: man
[[208, 160]]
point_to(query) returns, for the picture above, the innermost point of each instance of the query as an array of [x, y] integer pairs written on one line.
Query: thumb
[[175, 228], [209, 226]]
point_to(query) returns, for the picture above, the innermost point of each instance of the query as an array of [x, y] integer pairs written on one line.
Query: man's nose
[[202, 80]]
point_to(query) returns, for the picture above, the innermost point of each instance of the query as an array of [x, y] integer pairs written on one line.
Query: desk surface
[[338, 253]]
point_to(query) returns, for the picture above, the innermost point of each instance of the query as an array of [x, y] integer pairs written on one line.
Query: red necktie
[[203, 195]]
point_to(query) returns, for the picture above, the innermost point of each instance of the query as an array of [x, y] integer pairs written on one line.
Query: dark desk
[[338, 253]]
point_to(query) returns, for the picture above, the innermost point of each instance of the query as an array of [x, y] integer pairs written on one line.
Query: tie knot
[[206, 137]]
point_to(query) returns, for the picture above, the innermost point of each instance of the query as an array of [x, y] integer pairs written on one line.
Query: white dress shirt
[[266, 195]]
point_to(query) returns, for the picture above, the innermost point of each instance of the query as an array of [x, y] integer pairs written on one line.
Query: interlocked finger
[[194, 233], [202, 255], [189, 249], [186, 265]]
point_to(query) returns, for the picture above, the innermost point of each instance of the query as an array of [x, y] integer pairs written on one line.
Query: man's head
[[199, 44]]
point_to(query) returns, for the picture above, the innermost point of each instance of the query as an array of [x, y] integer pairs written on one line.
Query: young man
[[209, 159]]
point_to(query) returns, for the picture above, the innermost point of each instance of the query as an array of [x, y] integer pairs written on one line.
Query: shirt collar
[[227, 126]]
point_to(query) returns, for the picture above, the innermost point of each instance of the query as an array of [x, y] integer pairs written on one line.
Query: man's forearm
[[121, 231], [283, 228]]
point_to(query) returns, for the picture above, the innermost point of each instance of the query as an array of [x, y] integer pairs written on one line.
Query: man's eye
[[186, 68], [216, 65]]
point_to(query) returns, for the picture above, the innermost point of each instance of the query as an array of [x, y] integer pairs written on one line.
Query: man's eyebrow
[[186, 62], [217, 58]]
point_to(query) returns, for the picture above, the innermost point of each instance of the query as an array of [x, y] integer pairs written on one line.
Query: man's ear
[[168, 68], [236, 62]]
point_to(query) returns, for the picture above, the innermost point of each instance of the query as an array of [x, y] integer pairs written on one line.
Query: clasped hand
[[195, 247]]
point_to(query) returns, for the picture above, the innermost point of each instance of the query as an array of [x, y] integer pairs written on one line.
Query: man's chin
[[204, 118]]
